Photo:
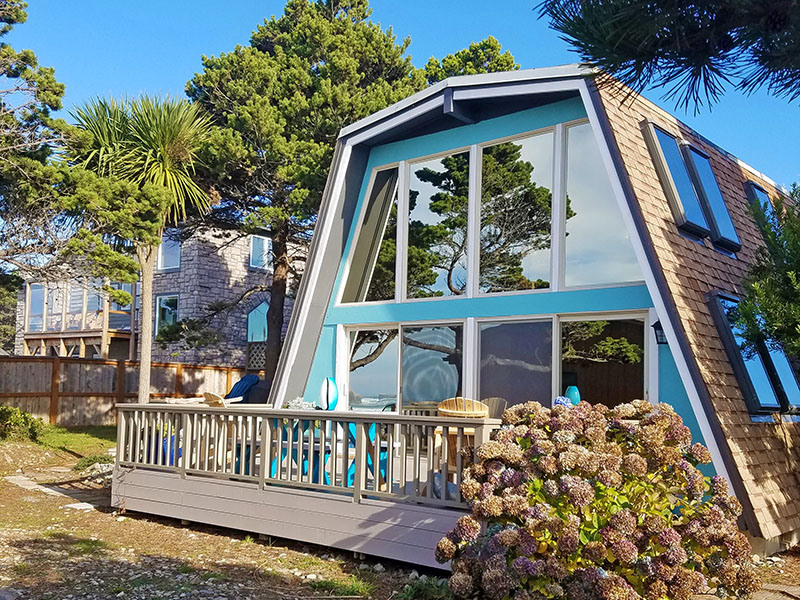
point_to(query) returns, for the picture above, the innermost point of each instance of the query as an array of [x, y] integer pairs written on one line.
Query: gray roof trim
[[485, 79]]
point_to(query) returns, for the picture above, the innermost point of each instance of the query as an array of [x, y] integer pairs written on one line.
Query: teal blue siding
[[672, 391], [324, 364]]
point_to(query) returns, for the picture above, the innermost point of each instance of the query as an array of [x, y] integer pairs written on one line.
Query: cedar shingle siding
[[766, 454]]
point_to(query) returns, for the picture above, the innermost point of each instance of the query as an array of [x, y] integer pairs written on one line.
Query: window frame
[[557, 231], [667, 180], [734, 354], [471, 349], [156, 318], [717, 238], [160, 259], [752, 189], [268, 266]]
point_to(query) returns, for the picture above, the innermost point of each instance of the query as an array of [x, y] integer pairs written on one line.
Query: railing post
[[266, 452], [359, 482], [482, 433], [121, 431], [183, 440]]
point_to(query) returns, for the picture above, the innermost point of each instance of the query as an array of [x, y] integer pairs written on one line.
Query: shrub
[[16, 424], [95, 459], [591, 503]]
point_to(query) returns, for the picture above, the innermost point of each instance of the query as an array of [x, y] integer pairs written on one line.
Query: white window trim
[[160, 259], [558, 221], [268, 245], [471, 350], [156, 320]]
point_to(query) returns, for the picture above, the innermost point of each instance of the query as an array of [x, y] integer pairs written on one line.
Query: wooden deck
[[306, 476]]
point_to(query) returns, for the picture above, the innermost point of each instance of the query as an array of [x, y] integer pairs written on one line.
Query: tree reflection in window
[[437, 228], [516, 208], [604, 359]]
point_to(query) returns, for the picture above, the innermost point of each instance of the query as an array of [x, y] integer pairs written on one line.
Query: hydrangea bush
[[590, 503]]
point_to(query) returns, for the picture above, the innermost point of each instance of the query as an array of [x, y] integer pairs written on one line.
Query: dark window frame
[[667, 180], [705, 203], [734, 353]]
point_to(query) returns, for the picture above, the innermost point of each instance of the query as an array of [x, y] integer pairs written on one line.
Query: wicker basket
[[463, 408]]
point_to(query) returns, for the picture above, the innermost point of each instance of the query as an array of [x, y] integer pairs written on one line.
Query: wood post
[[228, 379], [359, 480], [179, 380], [55, 384]]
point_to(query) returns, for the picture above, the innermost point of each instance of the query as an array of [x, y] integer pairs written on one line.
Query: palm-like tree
[[150, 142]]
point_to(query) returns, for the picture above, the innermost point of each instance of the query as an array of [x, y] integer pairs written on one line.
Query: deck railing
[[386, 456]]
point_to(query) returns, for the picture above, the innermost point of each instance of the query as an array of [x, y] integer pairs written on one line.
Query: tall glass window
[[516, 361], [169, 252], [723, 233], [676, 181], [373, 260], [75, 307], [433, 363], [598, 248], [758, 195], [437, 228], [260, 252], [55, 299], [373, 369], [166, 311], [516, 214], [603, 361], [35, 307]]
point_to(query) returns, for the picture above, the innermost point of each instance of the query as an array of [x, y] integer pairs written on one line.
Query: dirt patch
[[48, 551]]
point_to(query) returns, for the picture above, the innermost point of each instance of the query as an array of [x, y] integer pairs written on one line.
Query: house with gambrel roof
[[504, 237]]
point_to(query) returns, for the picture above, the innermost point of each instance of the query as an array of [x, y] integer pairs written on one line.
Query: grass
[[82, 441], [352, 586], [429, 588]]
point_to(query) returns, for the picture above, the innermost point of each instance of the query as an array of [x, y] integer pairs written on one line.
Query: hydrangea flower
[[574, 506]]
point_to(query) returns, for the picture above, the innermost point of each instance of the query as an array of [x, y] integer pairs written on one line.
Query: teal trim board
[[630, 297], [671, 391]]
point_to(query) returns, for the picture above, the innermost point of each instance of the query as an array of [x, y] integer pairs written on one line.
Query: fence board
[[69, 391]]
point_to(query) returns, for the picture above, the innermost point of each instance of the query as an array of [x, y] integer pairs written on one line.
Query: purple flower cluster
[[595, 503]]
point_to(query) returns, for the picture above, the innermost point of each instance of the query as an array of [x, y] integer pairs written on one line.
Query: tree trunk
[[147, 260], [276, 306]]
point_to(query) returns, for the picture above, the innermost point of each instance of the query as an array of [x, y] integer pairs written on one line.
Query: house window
[[603, 360], [438, 206], [598, 249], [765, 375], [75, 307], [432, 363], [516, 361], [373, 261], [166, 311], [516, 214], [120, 315], [35, 307], [758, 195], [723, 233], [257, 323], [373, 372], [54, 305], [260, 252], [169, 252], [676, 181], [691, 189]]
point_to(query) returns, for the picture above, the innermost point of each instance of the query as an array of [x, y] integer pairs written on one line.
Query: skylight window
[[723, 233], [766, 377], [758, 195], [676, 181]]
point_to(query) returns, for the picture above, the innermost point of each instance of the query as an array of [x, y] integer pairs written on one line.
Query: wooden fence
[[75, 391]]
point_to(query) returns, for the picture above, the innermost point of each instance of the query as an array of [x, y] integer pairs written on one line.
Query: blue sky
[[123, 48]]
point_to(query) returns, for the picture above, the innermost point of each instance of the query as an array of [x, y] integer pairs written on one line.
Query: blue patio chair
[[242, 387], [383, 454]]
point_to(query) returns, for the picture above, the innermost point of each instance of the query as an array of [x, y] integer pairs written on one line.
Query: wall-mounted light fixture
[[661, 337]]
